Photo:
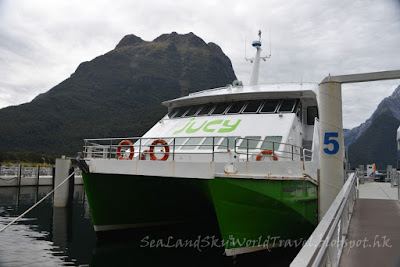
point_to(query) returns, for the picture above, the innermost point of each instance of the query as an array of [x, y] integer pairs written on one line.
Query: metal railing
[[324, 247], [291, 153], [16, 170], [142, 147]]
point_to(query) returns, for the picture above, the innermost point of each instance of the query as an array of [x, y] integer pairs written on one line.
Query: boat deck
[[374, 233]]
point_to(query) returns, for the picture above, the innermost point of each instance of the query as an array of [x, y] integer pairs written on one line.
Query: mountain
[[117, 94], [374, 141], [392, 103]]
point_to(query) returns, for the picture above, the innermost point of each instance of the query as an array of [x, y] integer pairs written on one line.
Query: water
[[49, 236]]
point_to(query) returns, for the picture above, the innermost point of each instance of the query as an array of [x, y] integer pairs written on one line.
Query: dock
[[361, 227], [18, 175], [374, 233]]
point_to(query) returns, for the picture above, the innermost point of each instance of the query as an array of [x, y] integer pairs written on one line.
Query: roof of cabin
[[232, 93]]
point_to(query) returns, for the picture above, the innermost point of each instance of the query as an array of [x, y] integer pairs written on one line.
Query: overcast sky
[[43, 42]]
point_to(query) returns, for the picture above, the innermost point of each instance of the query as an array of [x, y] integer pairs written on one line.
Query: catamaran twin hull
[[252, 210]]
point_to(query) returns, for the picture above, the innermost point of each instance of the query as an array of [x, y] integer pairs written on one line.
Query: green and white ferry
[[246, 156]]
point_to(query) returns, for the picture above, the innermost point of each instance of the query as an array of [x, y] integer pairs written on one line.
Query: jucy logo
[[223, 126]]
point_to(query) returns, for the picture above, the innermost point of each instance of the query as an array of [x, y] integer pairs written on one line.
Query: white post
[[331, 154], [62, 171], [256, 67]]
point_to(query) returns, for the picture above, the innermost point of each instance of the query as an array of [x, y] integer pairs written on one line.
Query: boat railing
[[287, 151], [142, 148]]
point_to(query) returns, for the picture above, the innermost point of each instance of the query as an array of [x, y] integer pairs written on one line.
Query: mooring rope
[[37, 203]]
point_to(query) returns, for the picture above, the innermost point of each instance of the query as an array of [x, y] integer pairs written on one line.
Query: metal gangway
[[361, 227]]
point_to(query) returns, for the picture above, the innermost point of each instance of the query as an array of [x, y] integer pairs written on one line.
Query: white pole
[[62, 170], [331, 125], [256, 67]]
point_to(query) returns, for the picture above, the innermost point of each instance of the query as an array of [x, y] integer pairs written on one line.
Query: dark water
[[50, 236]]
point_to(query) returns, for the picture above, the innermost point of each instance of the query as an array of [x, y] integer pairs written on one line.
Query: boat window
[[250, 141], [192, 143], [226, 140], [252, 106], [287, 105], [205, 110], [221, 107], [271, 142], [312, 113], [236, 107], [193, 111], [178, 142], [208, 142], [172, 113], [270, 106], [181, 111]]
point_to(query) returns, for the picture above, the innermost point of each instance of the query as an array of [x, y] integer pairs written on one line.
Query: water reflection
[[50, 236], [46, 236]]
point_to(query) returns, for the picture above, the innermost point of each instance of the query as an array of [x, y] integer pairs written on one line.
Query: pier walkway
[[373, 238], [361, 228]]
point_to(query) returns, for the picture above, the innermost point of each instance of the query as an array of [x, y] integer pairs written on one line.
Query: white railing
[[25, 171], [142, 147], [324, 247]]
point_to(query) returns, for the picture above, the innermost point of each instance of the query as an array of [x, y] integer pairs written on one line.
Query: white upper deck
[[234, 93]]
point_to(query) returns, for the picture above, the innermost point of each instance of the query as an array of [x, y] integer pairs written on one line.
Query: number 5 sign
[[330, 139]]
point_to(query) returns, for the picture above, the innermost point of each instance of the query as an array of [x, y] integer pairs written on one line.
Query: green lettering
[[229, 128], [192, 130], [206, 129], [181, 130]]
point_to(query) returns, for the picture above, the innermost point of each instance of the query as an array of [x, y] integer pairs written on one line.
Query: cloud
[[43, 42]]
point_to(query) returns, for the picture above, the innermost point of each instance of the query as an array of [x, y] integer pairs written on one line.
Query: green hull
[[264, 212], [124, 201], [248, 211]]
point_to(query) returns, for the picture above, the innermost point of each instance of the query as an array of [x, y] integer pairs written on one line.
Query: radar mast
[[256, 60]]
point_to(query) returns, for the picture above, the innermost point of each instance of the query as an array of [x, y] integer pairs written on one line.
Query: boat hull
[[250, 214], [260, 214], [128, 201]]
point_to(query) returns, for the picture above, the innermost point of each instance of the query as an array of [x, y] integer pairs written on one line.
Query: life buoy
[[166, 152], [131, 148], [266, 152], [144, 154]]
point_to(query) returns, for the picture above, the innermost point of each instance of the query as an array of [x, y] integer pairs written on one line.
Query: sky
[[42, 42]]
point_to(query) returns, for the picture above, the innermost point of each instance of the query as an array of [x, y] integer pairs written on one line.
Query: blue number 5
[[328, 141]]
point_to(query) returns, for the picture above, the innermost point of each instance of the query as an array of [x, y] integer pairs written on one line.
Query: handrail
[[280, 152], [324, 247], [107, 147]]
